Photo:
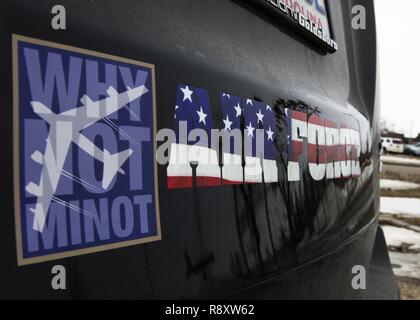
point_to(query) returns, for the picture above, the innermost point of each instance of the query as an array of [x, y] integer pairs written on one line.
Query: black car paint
[[222, 240]]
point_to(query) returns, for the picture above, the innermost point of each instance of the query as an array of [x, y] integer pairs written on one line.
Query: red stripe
[[186, 182], [299, 116], [297, 150], [312, 153], [208, 181], [353, 153], [348, 152], [332, 153], [330, 124], [179, 182], [231, 183], [343, 152], [314, 119]]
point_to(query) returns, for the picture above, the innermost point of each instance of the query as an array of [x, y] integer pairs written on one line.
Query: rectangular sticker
[[84, 151]]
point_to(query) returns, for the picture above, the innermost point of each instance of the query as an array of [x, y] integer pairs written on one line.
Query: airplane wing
[[52, 162], [72, 122], [43, 111], [112, 162], [93, 111]]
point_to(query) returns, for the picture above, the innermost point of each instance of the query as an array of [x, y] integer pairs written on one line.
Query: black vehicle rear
[[295, 231]]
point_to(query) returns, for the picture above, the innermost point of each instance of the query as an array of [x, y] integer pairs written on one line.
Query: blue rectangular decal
[[84, 139]]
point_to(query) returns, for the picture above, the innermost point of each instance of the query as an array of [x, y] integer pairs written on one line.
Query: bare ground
[[409, 287], [394, 175], [409, 290]]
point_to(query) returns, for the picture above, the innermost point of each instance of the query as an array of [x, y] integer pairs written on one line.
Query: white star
[[260, 116], [250, 130], [270, 134], [268, 108], [228, 124], [187, 93], [249, 101], [238, 110], [226, 95], [202, 116]]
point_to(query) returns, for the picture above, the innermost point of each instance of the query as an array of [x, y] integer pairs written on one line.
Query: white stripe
[[303, 129], [317, 171], [182, 155], [253, 170], [270, 171], [232, 167], [293, 171]]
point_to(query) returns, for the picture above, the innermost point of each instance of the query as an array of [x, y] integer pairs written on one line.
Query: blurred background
[[399, 55], [399, 62]]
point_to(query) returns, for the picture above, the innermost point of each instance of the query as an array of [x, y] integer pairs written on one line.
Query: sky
[[398, 38]]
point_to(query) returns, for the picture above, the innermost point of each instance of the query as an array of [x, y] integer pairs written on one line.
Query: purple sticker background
[[127, 209]]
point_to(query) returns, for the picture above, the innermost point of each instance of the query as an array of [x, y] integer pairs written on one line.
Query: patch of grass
[[399, 220], [414, 193], [411, 220], [409, 290], [404, 156], [392, 175]]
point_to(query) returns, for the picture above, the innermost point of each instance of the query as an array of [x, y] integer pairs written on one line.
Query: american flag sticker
[[328, 151], [248, 131], [192, 153], [239, 147]]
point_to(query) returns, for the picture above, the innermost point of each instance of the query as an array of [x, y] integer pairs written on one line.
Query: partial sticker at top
[[85, 174]]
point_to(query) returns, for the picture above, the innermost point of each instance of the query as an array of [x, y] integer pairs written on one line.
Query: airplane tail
[[39, 217], [34, 189], [39, 212], [43, 111], [113, 164]]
